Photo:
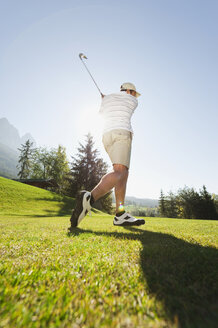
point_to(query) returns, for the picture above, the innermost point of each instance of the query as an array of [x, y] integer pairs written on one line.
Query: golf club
[[81, 56]]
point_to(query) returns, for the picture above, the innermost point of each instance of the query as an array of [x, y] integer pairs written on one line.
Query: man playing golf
[[116, 110]]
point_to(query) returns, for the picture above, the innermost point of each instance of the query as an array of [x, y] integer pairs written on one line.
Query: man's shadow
[[181, 275]]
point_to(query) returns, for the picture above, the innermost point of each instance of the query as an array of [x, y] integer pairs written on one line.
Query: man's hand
[[102, 96]]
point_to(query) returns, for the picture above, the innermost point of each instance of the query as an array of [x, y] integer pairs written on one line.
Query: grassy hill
[[19, 199]]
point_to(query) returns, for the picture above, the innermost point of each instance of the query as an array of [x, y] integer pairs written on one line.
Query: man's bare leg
[[117, 179], [120, 188]]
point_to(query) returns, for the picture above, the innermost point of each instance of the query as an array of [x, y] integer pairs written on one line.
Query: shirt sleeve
[[102, 105]]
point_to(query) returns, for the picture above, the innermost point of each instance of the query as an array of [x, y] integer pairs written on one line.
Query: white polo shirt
[[116, 110]]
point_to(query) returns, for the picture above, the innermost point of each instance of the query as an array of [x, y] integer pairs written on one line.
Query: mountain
[[9, 135], [10, 141], [130, 200], [8, 162], [26, 137]]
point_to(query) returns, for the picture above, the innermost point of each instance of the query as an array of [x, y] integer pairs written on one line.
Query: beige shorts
[[117, 144]]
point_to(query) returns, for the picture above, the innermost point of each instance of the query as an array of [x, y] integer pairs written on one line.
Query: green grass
[[23, 200], [163, 274]]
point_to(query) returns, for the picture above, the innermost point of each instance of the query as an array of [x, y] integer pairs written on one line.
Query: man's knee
[[121, 171]]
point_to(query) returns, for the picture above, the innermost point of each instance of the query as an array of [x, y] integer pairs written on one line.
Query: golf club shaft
[[91, 77]]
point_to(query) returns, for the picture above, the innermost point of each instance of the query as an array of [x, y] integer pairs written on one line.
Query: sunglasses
[[128, 89]]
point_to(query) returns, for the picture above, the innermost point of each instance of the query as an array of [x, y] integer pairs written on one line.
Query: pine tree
[[208, 208], [24, 162], [188, 201], [172, 205], [215, 199], [87, 170], [162, 207]]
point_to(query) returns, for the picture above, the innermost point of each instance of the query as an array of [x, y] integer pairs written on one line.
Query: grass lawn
[[163, 274]]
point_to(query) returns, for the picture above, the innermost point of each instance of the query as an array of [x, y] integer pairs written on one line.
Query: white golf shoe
[[82, 207], [127, 220]]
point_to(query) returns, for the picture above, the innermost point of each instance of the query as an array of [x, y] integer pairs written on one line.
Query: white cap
[[129, 86]]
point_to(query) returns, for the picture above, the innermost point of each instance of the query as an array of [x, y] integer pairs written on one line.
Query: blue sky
[[167, 48]]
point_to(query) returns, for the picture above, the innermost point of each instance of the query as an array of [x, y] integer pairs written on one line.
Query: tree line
[[83, 172], [187, 203]]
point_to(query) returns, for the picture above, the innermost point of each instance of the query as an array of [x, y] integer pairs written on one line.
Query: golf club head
[[81, 55]]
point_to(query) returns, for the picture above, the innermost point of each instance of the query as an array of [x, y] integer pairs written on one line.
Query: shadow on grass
[[66, 205], [64, 211], [64, 208], [181, 275], [48, 214]]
